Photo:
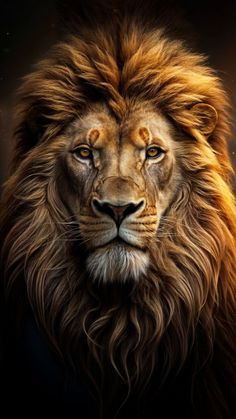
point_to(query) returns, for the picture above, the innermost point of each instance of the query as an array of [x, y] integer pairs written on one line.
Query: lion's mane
[[186, 303]]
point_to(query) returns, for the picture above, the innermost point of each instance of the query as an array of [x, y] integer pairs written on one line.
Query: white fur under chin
[[117, 264]]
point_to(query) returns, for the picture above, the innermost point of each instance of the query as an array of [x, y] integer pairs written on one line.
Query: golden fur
[[189, 292]]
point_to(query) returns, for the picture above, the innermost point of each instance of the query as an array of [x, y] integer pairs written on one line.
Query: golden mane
[[187, 303]]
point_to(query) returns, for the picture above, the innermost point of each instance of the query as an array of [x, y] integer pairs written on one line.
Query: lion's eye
[[154, 153], [83, 153]]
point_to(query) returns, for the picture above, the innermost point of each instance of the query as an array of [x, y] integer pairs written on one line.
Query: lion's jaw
[[123, 191], [117, 262]]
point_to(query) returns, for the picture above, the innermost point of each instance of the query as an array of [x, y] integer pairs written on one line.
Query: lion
[[118, 220]]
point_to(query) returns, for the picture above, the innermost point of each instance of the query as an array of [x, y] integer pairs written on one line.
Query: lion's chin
[[117, 263]]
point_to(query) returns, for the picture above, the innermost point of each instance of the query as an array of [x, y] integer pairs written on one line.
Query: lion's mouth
[[119, 241], [122, 243]]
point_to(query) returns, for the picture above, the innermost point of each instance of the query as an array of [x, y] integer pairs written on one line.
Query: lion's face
[[122, 177]]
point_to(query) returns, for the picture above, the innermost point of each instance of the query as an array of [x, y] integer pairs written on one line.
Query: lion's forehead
[[139, 128]]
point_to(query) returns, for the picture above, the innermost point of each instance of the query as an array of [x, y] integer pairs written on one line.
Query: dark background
[[29, 27]]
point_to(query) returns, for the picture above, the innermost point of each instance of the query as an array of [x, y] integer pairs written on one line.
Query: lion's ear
[[205, 118]]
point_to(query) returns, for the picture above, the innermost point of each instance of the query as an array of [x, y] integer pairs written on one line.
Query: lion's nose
[[117, 212]]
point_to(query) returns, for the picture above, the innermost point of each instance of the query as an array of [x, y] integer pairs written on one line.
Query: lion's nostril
[[117, 212], [97, 205], [132, 208]]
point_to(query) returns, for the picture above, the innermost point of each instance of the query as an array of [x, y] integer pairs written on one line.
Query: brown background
[[29, 27]]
